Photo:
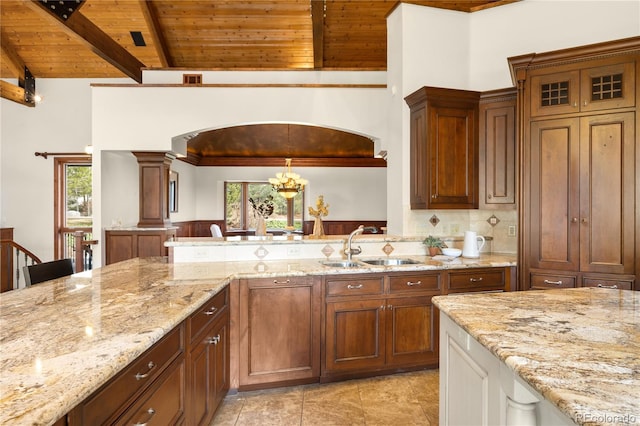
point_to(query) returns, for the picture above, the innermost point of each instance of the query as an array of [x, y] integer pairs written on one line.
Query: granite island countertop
[[62, 339], [578, 348]]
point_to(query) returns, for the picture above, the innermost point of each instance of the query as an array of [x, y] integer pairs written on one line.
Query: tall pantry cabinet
[[579, 165]]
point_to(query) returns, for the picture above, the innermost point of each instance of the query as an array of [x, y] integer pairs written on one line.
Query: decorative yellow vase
[[318, 229]]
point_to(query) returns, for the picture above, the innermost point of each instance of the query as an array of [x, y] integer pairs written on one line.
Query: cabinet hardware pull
[[411, 283], [584, 220], [574, 220], [281, 282], [489, 196], [382, 308], [575, 104], [213, 340], [553, 282], [607, 286], [354, 287], [151, 366], [151, 412], [475, 280], [211, 311], [389, 306]]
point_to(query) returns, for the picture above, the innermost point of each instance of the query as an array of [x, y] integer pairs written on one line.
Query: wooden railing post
[[79, 250]]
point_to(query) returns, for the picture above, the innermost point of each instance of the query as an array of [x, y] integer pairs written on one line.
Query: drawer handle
[[354, 287], [281, 282], [475, 280], [411, 283], [553, 282], [212, 310], [151, 366], [607, 286], [214, 340], [150, 412]]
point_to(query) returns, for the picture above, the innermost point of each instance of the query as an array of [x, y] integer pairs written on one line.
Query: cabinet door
[[497, 177], [354, 336], [607, 187], [279, 330], [607, 87], [419, 196], [554, 197], [555, 93], [453, 158], [412, 337]]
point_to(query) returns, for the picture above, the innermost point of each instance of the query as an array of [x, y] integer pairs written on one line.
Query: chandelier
[[287, 183]]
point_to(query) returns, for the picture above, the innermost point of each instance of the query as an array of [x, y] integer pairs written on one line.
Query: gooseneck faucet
[[349, 250]]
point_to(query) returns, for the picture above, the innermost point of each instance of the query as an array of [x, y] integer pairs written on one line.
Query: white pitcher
[[472, 244]]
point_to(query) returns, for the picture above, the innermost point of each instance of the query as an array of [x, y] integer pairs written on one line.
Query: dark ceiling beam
[[14, 93], [317, 20], [82, 29], [150, 14], [279, 161]]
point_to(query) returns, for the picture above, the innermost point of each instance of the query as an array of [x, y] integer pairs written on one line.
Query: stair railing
[[13, 258]]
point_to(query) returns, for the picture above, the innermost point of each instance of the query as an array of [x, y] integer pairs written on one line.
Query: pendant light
[[287, 183]]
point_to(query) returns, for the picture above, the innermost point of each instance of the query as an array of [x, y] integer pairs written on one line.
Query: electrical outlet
[[511, 231], [293, 251], [455, 228]]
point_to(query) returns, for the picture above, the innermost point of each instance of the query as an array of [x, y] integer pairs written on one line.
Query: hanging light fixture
[[287, 183]]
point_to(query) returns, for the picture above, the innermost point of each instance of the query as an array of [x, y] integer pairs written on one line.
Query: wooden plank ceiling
[[95, 38]]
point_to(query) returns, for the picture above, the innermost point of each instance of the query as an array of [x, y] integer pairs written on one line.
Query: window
[[72, 203], [239, 216]]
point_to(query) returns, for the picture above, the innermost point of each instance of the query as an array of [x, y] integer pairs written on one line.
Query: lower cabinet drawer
[[355, 286], [413, 283], [161, 404], [204, 316], [607, 283], [545, 281], [476, 280], [111, 398]]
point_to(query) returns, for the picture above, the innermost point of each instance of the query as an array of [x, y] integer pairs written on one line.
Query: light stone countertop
[[63, 339], [579, 348]]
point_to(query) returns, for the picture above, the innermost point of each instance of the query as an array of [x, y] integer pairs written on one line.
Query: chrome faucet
[[349, 250]]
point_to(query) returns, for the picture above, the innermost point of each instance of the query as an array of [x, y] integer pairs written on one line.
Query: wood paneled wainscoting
[[201, 228]]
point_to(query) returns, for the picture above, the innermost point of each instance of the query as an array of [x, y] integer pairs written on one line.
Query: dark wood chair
[[34, 274]]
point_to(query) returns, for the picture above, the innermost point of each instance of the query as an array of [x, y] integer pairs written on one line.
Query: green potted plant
[[434, 244]]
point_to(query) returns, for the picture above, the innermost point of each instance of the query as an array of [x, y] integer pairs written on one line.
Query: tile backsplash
[[500, 225]]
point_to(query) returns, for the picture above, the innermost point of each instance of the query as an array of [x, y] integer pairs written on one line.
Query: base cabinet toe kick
[[477, 388]]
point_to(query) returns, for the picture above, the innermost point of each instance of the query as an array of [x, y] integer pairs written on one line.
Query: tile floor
[[400, 399]]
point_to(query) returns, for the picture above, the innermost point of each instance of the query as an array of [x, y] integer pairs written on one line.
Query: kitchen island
[[63, 339], [540, 357]]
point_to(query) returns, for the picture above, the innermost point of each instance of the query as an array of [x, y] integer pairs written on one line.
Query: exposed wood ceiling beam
[[14, 93], [198, 160], [81, 28], [317, 20], [15, 62], [153, 23]]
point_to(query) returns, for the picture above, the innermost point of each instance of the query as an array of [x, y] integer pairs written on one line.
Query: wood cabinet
[[208, 359], [279, 331], [150, 390], [580, 206], [443, 148], [123, 244], [474, 280], [497, 149], [180, 380], [380, 322]]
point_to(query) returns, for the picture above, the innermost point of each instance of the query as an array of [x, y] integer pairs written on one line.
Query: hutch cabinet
[[123, 244], [580, 156], [444, 148]]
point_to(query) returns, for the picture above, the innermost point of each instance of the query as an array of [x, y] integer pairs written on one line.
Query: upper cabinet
[[444, 148], [583, 90], [497, 139]]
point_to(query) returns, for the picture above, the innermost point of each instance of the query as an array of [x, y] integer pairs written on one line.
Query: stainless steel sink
[[341, 263], [389, 261]]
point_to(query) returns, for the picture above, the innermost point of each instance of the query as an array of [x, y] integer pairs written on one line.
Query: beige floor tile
[[402, 399], [332, 404]]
